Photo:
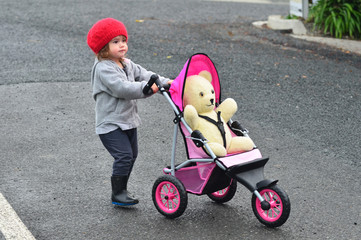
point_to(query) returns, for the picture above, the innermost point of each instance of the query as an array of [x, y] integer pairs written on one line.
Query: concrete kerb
[[343, 44], [276, 22]]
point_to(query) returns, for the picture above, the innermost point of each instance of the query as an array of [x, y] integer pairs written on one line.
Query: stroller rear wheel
[[224, 195], [280, 206], [169, 196]]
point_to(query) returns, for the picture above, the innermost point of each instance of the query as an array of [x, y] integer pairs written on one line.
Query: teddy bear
[[200, 114]]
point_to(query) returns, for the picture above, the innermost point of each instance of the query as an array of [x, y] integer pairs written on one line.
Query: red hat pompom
[[103, 31]]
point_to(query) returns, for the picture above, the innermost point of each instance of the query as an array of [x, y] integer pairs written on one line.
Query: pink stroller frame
[[204, 173]]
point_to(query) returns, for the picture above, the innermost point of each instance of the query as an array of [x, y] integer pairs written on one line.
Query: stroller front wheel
[[169, 196], [279, 203]]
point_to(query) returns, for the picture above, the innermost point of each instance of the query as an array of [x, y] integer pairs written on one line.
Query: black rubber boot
[[119, 192]]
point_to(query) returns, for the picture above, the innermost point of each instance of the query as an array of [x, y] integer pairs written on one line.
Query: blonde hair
[[103, 53]]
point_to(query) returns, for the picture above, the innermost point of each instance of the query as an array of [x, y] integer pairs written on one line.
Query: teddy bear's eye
[[201, 94], [212, 91]]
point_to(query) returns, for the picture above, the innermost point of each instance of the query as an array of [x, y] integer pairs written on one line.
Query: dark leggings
[[123, 146]]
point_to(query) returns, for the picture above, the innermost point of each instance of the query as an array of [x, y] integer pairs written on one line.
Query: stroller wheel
[[280, 206], [224, 195], [169, 196]]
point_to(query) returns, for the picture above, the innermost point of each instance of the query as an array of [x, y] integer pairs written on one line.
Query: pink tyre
[[279, 206], [169, 196], [224, 195]]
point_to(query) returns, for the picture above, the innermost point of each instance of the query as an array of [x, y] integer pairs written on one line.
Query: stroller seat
[[240, 158]]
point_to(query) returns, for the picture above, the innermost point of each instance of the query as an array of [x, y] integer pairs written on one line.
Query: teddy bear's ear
[[207, 75]]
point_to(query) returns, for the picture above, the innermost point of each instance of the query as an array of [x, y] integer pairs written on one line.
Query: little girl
[[117, 84]]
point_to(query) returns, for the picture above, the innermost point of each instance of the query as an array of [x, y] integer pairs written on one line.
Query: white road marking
[[10, 224]]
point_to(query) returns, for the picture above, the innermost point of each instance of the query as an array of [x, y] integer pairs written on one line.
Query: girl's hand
[[154, 88]]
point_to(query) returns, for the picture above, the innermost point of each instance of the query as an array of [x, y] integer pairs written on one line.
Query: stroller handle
[[147, 90]]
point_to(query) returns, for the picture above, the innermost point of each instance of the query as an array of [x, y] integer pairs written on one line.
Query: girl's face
[[118, 48]]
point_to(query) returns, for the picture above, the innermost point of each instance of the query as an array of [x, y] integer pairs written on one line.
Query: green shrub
[[337, 17]]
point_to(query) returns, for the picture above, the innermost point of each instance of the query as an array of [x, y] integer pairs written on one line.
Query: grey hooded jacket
[[116, 91]]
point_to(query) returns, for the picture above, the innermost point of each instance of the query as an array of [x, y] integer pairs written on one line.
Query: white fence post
[[299, 8]]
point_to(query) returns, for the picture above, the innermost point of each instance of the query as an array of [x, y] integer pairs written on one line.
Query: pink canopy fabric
[[194, 65]]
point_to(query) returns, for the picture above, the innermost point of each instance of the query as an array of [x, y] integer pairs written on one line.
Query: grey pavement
[[299, 99]]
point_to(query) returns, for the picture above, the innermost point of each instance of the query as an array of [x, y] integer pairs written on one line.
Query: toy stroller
[[204, 172]]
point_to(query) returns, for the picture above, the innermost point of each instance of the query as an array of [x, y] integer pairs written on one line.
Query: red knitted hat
[[103, 31]]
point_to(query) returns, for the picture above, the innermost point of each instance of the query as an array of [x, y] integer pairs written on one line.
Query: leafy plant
[[338, 17]]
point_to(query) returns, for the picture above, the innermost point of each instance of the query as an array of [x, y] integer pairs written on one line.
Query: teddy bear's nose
[[212, 100]]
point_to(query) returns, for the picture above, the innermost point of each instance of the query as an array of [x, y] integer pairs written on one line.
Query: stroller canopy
[[194, 65]]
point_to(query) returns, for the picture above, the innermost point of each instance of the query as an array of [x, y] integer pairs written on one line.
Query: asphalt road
[[300, 101]]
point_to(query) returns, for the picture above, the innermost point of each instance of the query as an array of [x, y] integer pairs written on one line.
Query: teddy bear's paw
[[227, 108], [240, 144], [218, 149], [191, 116]]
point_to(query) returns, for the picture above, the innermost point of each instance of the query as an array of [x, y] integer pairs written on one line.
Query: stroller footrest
[[249, 174], [243, 167]]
